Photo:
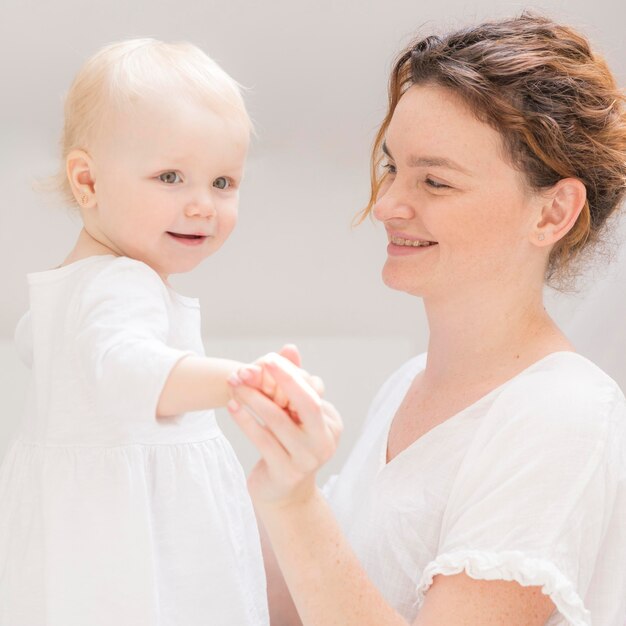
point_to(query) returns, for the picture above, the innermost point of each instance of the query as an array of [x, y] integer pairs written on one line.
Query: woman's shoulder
[[564, 389], [403, 376], [394, 388]]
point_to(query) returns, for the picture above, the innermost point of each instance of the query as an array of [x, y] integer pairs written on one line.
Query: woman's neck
[[480, 337]]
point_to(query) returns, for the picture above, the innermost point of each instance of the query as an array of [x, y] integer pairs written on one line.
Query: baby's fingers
[[251, 375], [257, 377], [293, 367]]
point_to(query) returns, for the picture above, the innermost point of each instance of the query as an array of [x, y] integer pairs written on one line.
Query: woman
[[489, 484]]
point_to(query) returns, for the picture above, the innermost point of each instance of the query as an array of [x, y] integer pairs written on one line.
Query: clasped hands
[[279, 408]]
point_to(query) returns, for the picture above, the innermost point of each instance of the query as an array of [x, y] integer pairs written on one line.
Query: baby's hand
[[257, 376]]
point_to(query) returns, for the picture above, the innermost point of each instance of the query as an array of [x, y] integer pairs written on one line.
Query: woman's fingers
[[290, 352], [280, 424], [317, 383], [333, 419], [275, 478], [302, 397], [320, 420], [258, 376], [266, 443], [294, 441], [252, 375]]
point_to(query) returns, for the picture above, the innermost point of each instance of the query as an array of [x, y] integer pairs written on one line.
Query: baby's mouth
[[183, 236]]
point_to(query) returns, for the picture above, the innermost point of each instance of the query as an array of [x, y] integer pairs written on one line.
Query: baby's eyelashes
[[170, 178], [222, 182]]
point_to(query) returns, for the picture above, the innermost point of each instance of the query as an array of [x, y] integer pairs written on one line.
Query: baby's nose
[[202, 204]]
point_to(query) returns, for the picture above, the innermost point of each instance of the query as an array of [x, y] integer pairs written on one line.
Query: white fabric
[[108, 515], [527, 484]]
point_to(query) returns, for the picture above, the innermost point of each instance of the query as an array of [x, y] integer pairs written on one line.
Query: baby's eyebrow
[[428, 161], [172, 158]]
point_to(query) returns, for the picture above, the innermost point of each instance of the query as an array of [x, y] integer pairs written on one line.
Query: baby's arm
[[196, 383]]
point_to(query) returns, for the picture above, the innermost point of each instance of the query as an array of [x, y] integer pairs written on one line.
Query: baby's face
[[167, 176]]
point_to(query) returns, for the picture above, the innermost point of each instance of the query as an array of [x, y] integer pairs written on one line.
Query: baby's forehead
[[171, 128], [178, 112]]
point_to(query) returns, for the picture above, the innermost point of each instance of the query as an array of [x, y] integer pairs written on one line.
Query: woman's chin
[[401, 281]]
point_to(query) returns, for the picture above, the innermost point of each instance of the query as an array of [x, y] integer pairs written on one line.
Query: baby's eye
[[170, 178], [221, 182]]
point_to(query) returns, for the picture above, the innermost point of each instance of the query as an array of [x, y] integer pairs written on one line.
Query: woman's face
[[458, 215]]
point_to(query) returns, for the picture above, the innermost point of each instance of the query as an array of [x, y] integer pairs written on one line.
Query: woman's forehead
[[431, 122]]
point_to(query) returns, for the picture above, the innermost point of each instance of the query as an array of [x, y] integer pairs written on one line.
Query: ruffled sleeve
[[122, 331], [535, 494]]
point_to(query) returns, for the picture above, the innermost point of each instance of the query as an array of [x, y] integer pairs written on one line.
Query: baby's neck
[[86, 246]]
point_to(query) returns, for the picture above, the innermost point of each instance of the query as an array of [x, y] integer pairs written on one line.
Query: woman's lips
[[404, 250]]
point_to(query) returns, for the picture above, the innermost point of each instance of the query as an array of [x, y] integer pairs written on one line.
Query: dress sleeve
[[122, 329], [535, 493]]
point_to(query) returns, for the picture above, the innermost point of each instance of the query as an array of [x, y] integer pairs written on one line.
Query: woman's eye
[[389, 168], [221, 182], [170, 178], [435, 185]]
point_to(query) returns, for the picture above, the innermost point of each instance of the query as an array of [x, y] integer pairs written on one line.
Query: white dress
[[108, 515], [527, 484]]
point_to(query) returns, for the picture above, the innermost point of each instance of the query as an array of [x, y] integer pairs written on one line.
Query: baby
[[121, 502]]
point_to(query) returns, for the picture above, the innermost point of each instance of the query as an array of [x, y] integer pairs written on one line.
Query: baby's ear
[[81, 176]]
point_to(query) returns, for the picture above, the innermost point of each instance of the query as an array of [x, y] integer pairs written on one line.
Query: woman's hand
[[294, 439], [258, 377]]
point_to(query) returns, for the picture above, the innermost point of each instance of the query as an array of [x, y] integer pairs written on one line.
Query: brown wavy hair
[[553, 100]]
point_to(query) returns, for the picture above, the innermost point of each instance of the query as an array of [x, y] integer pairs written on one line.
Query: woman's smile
[[400, 246]]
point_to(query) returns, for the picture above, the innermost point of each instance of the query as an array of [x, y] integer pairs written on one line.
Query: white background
[[294, 270]]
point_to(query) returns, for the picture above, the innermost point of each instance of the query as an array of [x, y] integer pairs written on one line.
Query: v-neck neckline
[[384, 463]]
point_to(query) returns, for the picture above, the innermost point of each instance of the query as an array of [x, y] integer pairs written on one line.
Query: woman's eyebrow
[[428, 161]]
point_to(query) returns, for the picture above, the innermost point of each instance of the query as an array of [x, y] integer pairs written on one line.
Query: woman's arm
[[324, 577], [282, 609]]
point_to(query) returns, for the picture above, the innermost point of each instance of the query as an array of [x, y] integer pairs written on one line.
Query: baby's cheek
[[228, 221]]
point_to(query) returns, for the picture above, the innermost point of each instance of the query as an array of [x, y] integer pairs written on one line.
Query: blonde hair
[[122, 73]]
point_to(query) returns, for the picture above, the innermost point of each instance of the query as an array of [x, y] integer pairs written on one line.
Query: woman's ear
[[81, 176], [560, 209]]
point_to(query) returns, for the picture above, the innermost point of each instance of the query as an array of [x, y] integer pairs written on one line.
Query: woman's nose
[[392, 202]]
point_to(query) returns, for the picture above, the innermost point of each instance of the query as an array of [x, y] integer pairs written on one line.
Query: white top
[[108, 515], [526, 484]]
